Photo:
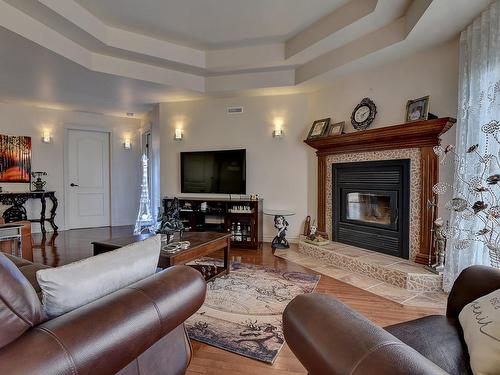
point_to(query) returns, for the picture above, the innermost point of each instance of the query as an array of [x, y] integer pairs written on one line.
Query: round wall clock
[[364, 114]]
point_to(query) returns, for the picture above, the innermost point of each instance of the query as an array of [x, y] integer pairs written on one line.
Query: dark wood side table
[[17, 212], [202, 244]]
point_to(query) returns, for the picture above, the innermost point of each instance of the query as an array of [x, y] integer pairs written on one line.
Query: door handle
[[73, 185]]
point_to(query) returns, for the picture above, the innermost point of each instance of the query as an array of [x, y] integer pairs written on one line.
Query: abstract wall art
[[15, 158]]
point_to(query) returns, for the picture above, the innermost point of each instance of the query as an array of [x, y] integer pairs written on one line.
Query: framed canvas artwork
[[15, 158]]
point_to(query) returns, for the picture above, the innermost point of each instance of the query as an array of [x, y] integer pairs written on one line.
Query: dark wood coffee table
[[202, 244]]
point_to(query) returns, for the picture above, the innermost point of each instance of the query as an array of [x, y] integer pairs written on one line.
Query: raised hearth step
[[405, 297], [389, 269]]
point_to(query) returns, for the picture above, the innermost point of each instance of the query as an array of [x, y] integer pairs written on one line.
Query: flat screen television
[[217, 172]]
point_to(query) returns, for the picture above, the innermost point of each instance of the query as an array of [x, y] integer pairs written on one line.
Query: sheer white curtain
[[478, 104]]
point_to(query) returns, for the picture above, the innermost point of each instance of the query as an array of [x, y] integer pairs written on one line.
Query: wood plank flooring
[[72, 245]]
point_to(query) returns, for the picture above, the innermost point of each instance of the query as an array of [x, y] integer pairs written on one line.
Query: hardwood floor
[[73, 245]]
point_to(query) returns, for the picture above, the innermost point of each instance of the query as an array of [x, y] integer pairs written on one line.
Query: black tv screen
[[218, 172]]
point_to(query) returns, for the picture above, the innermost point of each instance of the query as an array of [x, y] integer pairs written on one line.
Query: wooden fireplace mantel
[[414, 134], [423, 135]]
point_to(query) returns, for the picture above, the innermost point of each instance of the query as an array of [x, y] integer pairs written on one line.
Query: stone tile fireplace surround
[[413, 141]]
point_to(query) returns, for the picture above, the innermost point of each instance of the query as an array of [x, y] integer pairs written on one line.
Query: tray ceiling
[[213, 23], [194, 48]]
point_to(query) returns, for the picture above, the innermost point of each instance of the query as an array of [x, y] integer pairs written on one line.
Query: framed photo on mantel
[[417, 109], [336, 129], [319, 128]]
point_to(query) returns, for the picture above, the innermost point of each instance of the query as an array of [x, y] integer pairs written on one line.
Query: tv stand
[[223, 215]]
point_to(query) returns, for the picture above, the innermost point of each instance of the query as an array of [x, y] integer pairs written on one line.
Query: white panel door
[[87, 179]]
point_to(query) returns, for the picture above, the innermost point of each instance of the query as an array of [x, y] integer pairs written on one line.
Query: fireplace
[[414, 141], [371, 205]]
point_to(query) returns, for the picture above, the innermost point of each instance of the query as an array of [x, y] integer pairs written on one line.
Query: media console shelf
[[224, 215]]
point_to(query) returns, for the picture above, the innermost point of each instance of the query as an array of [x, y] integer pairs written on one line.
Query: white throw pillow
[[480, 321], [76, 284]]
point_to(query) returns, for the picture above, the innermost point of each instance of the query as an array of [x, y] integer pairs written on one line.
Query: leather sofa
[[136, 330], [330, 338]]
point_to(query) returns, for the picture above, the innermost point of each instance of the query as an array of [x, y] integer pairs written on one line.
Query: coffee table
[[202, 244]]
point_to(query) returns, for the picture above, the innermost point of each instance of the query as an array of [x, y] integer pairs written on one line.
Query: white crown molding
[[247, 81], [349, 13], [132, 69], [253, 57], [18, 22], [123, 39], [230, 59], [231, 66], [14, 20], [381, 38]]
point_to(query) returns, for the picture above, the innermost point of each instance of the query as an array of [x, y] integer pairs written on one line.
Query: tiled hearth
[[390, 277]]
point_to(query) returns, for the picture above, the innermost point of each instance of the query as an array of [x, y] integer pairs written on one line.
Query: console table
[[17, 211]]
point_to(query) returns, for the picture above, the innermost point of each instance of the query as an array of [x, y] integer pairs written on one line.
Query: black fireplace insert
[[371, 205]]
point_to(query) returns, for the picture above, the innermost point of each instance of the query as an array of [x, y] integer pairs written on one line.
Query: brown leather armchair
[[330, 338], [136, 330]]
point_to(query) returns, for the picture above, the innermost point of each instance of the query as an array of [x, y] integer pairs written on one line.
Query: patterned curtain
[[478, 105]]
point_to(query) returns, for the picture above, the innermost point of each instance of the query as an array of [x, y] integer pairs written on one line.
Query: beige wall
[[125, 168], [433, 72], [276, 168], [284, 171]]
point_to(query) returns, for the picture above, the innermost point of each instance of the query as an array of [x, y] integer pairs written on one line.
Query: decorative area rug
[[242, 311]]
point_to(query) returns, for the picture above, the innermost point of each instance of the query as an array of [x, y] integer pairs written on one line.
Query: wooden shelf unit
[[219, 218]]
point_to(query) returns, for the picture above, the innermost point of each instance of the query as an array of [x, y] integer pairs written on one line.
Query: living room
[[269, 187]]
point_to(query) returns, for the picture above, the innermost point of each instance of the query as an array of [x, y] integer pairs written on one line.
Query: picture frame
[[15, 159], [319, 128], [417, 109], [337, 128]]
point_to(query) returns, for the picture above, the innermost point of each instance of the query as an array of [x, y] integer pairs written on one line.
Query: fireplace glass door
[[373, 208]]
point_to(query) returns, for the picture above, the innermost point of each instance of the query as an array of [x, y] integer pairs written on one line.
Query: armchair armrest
[[330, 338], [106, 335], [472, 283]]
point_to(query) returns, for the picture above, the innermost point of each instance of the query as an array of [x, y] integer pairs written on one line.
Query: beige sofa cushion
[[480, 321], [73, 285]]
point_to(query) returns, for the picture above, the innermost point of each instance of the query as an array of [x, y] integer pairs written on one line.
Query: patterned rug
[[242, 311]]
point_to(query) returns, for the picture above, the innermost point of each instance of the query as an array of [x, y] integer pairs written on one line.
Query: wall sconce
[[46, 137], [178, 135], [278, 128], [127, 144], [278, 133]]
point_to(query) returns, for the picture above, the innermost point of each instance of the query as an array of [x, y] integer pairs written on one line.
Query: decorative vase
[[38, 184]]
